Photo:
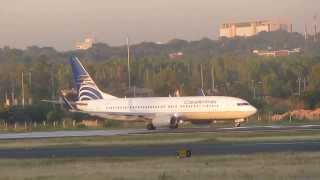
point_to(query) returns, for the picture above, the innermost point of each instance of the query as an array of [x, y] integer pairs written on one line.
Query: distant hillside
[[236, 71], [205, 48], [199, 50]]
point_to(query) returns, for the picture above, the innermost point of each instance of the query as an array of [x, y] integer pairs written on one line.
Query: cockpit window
[[243, 104]]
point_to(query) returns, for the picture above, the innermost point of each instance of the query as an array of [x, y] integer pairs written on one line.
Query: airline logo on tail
[[86, 87], [88, 90]]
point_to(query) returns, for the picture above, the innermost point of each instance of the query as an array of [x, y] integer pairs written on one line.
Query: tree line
[[228, 68]]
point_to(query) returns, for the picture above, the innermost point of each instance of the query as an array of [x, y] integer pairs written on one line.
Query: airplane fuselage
[[188, 108], [155, 111]]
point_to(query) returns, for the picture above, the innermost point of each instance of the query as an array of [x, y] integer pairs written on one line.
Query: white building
[[247, 29], [88, 42]]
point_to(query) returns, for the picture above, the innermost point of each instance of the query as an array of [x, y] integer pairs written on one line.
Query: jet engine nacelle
[[165, 121]]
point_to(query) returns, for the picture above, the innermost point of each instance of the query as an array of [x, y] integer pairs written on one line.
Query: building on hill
[[278, 53], [86, 44], [176, 55], [251, 28]]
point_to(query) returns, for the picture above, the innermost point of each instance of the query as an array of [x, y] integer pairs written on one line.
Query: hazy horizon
[[61, 23]]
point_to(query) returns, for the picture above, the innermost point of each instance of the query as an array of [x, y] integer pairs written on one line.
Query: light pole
[[253, 87], [212, 77], [22, 88], [201, 73], [261, 89], [30, 87], [129, 75], [299, 85]]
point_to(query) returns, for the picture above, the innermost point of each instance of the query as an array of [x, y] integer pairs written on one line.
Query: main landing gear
[[150, 127], [237, 123], [174, 126], [174, 123]]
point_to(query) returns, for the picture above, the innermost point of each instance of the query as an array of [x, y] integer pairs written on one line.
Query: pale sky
[[61, 23]]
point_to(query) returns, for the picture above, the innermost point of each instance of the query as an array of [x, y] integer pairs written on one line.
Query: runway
[[71, 133], [92, 133], [161, 150]]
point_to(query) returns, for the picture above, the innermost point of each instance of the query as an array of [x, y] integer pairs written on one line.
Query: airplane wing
[[68, 104], [125, 116], [132, 116]]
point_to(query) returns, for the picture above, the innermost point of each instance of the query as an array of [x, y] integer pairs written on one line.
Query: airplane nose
[[254, 110]]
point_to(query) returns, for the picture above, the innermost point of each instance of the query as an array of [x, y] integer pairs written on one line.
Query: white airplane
[[156, 112]]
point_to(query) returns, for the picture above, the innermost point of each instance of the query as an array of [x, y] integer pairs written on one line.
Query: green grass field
[[280, 166]]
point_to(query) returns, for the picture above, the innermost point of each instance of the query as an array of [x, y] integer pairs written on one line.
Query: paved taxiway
[[91, 133], [161, 150]]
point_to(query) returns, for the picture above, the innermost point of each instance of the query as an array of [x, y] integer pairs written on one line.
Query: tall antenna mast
[[129, 75], [53, 94], [12, 93], [315, 17], [30, 87], [212, 77], [305, 32], [201, 71], [22, 88]]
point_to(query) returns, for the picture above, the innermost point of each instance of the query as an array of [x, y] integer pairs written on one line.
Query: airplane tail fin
[[86, 88]]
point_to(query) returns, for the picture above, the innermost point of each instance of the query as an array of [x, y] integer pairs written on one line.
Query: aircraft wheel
[[237, 125], [188, 153], [150, 127]]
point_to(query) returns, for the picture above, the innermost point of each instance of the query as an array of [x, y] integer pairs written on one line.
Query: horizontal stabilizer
[[200, 92], [58, 102], [68, 104]]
